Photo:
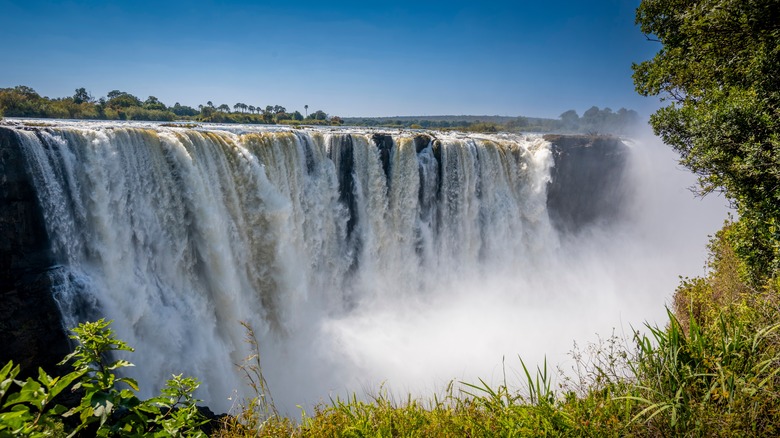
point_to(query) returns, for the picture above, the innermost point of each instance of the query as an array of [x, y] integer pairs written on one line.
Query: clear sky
[[362, 58]]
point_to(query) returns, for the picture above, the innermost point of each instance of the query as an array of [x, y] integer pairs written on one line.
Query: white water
[[178, 234]]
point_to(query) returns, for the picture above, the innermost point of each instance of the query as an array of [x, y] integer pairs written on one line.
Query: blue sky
[[511, 58]]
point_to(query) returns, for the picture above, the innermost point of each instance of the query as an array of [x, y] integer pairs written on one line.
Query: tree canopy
[[23, 101], [718, 69]]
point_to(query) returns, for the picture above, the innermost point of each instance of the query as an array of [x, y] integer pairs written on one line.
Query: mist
[[363, 263], [467, 324]]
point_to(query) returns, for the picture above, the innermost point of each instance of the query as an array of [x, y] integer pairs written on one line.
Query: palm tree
[[306, 109]]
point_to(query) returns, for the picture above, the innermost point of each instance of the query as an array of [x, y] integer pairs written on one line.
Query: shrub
[[105, 409]]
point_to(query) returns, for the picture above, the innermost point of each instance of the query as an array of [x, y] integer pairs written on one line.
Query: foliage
[[603, 121], [695, 381], [183, 110], [718, 69], [23, 101], [317, 115], [105, 408], [82, 95], [28, 410]]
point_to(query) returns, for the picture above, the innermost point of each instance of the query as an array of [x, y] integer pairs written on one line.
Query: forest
[[23, 101]]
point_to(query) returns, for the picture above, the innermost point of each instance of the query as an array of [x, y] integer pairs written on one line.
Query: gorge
[[358, 256]]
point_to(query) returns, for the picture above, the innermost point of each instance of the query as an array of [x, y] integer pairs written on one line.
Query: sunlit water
[[428, 267]]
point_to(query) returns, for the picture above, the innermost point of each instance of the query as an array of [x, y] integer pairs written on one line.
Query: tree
[[224, 108], [152, 103], [570, 119], [718, 69], [121, 99], [593, 119], [319, 115], [207, 112], [306, 109], [184, 110], [82, 96]]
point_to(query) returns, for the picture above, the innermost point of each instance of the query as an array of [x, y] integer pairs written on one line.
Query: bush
[[105, 409]]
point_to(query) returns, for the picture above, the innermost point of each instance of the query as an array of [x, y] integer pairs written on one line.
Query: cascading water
[[357, 257]]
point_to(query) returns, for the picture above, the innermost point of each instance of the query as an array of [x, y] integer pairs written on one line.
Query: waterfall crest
[[309, 235]]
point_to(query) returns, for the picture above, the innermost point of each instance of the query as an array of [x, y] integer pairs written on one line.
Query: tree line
[[593, 121], [23, 101]]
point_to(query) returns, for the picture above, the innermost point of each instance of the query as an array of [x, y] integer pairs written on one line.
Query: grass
[[710, 370], [713, 369], [670, 382]]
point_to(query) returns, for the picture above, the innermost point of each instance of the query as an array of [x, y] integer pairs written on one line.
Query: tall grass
[[711, 369]]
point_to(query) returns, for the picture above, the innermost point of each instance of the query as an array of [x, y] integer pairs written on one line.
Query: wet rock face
[[31, 333], [588, 187], [589, 183]]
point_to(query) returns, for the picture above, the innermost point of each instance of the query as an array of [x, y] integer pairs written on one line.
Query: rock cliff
[[30, 330]]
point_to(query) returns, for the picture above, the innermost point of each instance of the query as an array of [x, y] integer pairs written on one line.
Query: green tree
[[121, 99], [184, 110], [281, 116], [152, 103], [82, 96], [318, 115], [718, 69]]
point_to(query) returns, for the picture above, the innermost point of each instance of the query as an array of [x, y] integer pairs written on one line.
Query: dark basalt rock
[[589, 181], [384, 142], [421, 141], [31, 332]]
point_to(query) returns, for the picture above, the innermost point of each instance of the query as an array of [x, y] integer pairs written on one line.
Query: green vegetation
[[29, 408], [593, 121], [712, 369], [718, 69], [23, 101]]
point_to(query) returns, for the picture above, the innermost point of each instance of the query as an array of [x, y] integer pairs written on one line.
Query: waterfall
[[325, 241]]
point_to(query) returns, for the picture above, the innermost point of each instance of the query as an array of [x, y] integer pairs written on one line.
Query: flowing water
[[358, 258]]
